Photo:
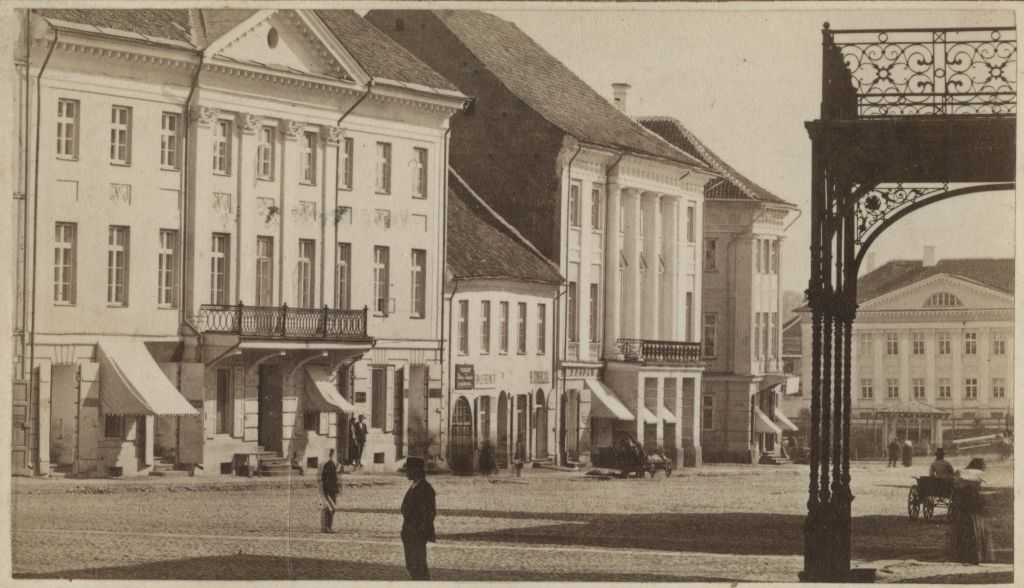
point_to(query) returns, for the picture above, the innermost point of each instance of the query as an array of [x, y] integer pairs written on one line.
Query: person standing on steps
[[360, 428], [418, 511], [329, 493]]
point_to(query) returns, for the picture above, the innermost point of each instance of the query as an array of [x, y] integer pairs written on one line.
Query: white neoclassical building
[[232, 239]]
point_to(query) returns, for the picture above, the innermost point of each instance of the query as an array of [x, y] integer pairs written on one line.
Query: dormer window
[[942, 299]]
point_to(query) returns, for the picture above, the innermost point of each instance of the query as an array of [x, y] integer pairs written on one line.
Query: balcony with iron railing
[[664, 352], [282, 322], [919, 72]]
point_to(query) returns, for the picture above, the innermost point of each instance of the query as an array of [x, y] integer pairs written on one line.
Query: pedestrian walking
[[353, 443], [894, 452], [418, 511], [970, 533], [360, 428], [519, 458], [329, 494], [908, 453]]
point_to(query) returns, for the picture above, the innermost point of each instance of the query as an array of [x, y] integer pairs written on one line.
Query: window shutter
[[389, 400], [322, 426]]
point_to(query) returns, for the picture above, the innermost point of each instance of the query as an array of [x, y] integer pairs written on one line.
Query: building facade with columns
[[500, 328], [232, 225], [742, 259], [616, 208], [935, 334]]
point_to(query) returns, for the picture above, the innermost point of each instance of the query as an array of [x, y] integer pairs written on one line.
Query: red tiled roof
[[899, 273], [550, 88], [482, 245], [732, 186]]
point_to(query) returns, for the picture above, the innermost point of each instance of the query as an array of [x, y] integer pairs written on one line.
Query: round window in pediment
[[272, 37]]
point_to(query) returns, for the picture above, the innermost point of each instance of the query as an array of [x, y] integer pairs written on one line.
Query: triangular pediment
[[941, 292], [289, 42]]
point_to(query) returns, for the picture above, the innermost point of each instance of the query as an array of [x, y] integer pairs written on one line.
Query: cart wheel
[[929, 509], [913, 503]]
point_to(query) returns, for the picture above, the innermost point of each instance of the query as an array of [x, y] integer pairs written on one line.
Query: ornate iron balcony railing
[[282, 321], [648, 351], [919, 72]]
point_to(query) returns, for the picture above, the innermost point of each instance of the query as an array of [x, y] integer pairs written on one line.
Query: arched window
[[942, 299]]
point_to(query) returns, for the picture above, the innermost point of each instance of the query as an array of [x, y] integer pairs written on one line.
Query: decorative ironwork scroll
[[885, 199]]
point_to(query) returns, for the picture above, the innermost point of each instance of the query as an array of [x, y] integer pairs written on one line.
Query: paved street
[[723, 523]]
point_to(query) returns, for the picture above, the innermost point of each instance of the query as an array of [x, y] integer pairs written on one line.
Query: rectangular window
[[867, 388], [596, 207], [169, 125], [384, 168], [67, 129], [503, 327], [775, 335], [998, 388], [219, 257], [381, 279], [264, 271], [757, 255], [775, 256], [121, 135], [691, 225], [117, 266], [918, 387], [970, 343], [766, 250], [917, 344], [943, 343], [766, 334], [574, 204], [419, 283], [865, 347], [419, 187], [225, 417], [347, 161], [521, 328], [892, 386], [222, 147], [306, 273], [710, 334], [998, 343], [542, 329], [114, 426], [265, 153], [378, 399], [892, 344], [757, 336], [463, 327], [485, 326], [311, 421], [309, 158], [64, 262], [167, 269], [971, 389], [595, 314], [707, 420], [945, 388], [343, 294], [572, 310], [711, 255], [688, 309]]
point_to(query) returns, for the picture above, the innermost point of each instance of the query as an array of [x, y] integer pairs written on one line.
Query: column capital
[[631, 192], [650, 195], [332, 135], [291, 129], [248, 123], [203, 115]]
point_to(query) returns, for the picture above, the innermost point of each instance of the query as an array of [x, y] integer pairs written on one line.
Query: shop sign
[[464, 379], [540, 377], [484, 380]]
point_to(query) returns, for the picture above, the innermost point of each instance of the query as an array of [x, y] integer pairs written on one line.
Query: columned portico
[[651, 247], [632, 248], [669, 296], [614, 271]]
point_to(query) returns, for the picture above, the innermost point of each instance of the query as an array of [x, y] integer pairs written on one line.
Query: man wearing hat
[[418, 511], [941, 468], [329, 493]]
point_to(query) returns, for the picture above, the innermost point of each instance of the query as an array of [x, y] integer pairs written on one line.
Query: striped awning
[[322, 395], [608, 404], [131, 383], [648, 416], [784, 420], [763, 424], [666, 414]]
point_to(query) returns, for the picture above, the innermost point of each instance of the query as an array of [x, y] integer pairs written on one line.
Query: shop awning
[[131, 383], [608, 404], [666, 415], [648, 416], [784, 420], [763, 424], [322, 394]]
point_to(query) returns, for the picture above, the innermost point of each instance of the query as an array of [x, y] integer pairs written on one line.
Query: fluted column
[[612, 278], [631, 290], [245, 243], [669, 301], [651, 209]]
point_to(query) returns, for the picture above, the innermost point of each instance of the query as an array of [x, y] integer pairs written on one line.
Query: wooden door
[[462, 437], [501, 451], [270, 417], [21, 454]]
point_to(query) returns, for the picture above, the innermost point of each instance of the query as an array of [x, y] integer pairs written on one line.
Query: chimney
[[870, 263], [620, 91], [929, 255]]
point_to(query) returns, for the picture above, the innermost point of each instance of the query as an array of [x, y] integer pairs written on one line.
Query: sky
[[745, 82]]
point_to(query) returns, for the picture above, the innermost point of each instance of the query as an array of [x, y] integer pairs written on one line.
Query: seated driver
[[941, 468]]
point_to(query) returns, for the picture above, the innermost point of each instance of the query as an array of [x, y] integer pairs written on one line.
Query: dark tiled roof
[[899, 273], [378, 55], [482, 245], [174, 25], [732, 186], [217, 23], [792, 337], [550, 88]]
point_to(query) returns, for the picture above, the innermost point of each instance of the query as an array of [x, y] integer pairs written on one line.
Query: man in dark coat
[[360, 434], [329, 489], [418, 510], [894, 452]]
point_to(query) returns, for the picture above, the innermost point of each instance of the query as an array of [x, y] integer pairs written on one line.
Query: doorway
[[140, 442], [462, 437], [501, 453], [270, 421], [399, 413], [540, 422]]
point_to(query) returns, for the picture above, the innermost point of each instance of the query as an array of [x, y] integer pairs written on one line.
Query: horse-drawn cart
[[929, 492]]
